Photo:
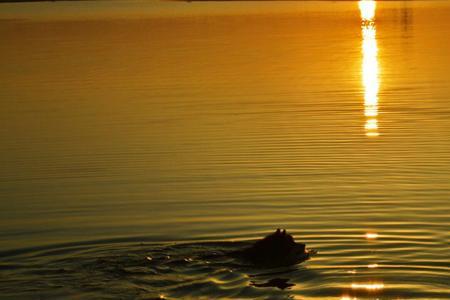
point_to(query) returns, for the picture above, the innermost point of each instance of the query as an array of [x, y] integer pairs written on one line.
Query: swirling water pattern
[[143, 140]]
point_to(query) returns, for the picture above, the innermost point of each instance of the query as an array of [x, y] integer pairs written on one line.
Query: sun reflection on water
[[367, 8], [371, 287], [370, 67], [368, 286], [371, 235]]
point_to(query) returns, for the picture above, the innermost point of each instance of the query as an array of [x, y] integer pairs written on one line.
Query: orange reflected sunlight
[[368, 286], [371, 235], [370, 69]]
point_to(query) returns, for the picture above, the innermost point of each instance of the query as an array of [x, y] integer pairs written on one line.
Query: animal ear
[[278, 231], [284, 231]]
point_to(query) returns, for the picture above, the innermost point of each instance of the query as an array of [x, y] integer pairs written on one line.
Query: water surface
[[133, 130]]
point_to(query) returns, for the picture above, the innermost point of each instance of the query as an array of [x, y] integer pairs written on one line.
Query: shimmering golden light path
[[370, 68], [368, 286], [371, 235]]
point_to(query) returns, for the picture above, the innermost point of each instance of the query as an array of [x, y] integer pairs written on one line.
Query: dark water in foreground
[[141, 270], [178, 131]]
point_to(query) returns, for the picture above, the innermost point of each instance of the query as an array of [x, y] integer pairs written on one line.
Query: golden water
[[129, 121]]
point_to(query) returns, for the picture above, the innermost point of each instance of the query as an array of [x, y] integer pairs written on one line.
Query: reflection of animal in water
[[280, 283], [276, 249]]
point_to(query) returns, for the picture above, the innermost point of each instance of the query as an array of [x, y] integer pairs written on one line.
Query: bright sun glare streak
[[370, 66], [367, 8], [371, 235], [368, 286]]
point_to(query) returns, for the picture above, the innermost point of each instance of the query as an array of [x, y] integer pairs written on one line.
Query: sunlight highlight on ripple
[[371, 235], [370, 67], [372, 266], [367, 286]]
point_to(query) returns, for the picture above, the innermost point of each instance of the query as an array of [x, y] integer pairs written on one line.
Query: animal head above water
[[276, 249]]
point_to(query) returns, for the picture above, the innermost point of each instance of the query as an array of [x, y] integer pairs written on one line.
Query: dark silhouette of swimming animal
[[276, 249]]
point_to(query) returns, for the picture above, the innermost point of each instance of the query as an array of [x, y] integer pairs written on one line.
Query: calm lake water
[[139, 137]]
